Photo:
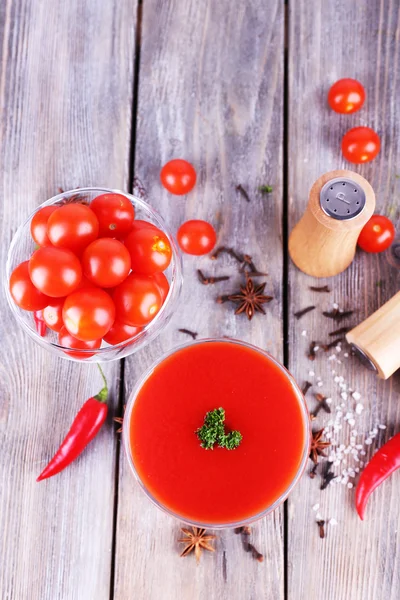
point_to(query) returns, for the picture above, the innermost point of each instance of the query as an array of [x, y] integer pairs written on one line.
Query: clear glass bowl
[[278, 501], [23, 245]]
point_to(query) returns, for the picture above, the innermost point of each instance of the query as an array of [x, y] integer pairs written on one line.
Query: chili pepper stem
[[102, 396]]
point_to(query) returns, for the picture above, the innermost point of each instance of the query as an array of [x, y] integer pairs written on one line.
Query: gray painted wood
[[210, 91], [327, 41], [66, 74]]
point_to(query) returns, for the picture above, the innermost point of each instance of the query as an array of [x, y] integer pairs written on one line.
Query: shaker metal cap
[[342, 199]]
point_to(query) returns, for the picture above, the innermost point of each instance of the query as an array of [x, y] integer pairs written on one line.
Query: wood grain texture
[[65, 93], [327, 41], [210, 91]]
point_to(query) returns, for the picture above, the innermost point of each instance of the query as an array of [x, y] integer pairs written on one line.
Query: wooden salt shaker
[[377, 339], [323, 242]]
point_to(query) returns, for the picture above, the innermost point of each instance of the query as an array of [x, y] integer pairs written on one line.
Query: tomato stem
[[103, 394]]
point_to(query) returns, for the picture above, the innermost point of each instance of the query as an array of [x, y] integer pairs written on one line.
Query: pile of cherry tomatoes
[[97, 273]]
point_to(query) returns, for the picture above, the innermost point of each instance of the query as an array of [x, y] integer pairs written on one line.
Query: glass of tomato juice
[[217, 487]]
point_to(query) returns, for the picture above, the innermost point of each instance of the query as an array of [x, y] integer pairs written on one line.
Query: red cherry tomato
[[73, 226], [120, 332], [52, 314], [88, 314], [106, 262], [178, 176], [377, 234], [360, 145], [69, 341], [162, 283], [196, 237], [23, 292], [137, 300], [139, 224], [115, 213], [150, 250], [39, 225], [346, 96], [54, 271]]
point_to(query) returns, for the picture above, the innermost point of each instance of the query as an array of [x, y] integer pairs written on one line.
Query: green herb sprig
[[213, 432], [266, 189]]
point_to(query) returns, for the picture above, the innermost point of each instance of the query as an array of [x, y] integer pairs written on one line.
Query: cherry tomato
[[377, 234], [54, 271], [360, 145], [346, 96], [52, 314], [88, 314], [69, 341], [23, 292], [115, 214], [39, 225], [150, 250], [106, 262], [120, 332], [139, 224], [73, 226], [137, 300], [196, 237], [178, 176], [162, 283]]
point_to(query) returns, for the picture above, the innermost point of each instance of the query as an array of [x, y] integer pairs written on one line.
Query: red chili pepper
[[381, 465], [39, 322], [85, 427]]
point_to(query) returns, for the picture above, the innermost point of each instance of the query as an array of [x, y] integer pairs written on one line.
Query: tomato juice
[[217, 487]]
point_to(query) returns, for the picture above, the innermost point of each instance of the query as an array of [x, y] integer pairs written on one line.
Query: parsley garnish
[[213, 432]]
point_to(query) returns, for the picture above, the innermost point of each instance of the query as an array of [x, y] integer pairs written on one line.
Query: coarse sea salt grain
[[346, 355], [304, 333], [315, 507], [380, 426], [329, 401], [332, 521], [320, 383], [349, 485], [356, 395], [311, 373], [359, 408], [343, 395], [335, 305]]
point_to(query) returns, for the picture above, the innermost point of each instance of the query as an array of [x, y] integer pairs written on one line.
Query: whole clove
[[208, 280], [247, 545], [327, 475], [311, 351], [322, 405], [313, 471], [306, 387], [193, 334], [321, 525], [243, 192], [322, 288], [230, 251], [301, 313], [337, 314]]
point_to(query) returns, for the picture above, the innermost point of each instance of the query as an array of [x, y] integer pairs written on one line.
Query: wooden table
[[95, 92]]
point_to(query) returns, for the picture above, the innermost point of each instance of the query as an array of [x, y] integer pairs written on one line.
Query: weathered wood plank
[[327, 41], [65, 92], [210, 91]]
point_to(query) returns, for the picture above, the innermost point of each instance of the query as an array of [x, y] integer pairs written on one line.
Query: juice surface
[[217, 486]]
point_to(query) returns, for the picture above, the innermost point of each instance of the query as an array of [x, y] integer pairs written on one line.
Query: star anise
[[318, 445], [196, 540], [120, 420], [250, 299]]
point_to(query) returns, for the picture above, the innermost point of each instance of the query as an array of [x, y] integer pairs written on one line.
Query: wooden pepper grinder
[[376, 340], [323, 242]]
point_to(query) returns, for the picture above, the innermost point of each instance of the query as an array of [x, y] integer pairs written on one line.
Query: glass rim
[[305, 417], [174, 285]]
